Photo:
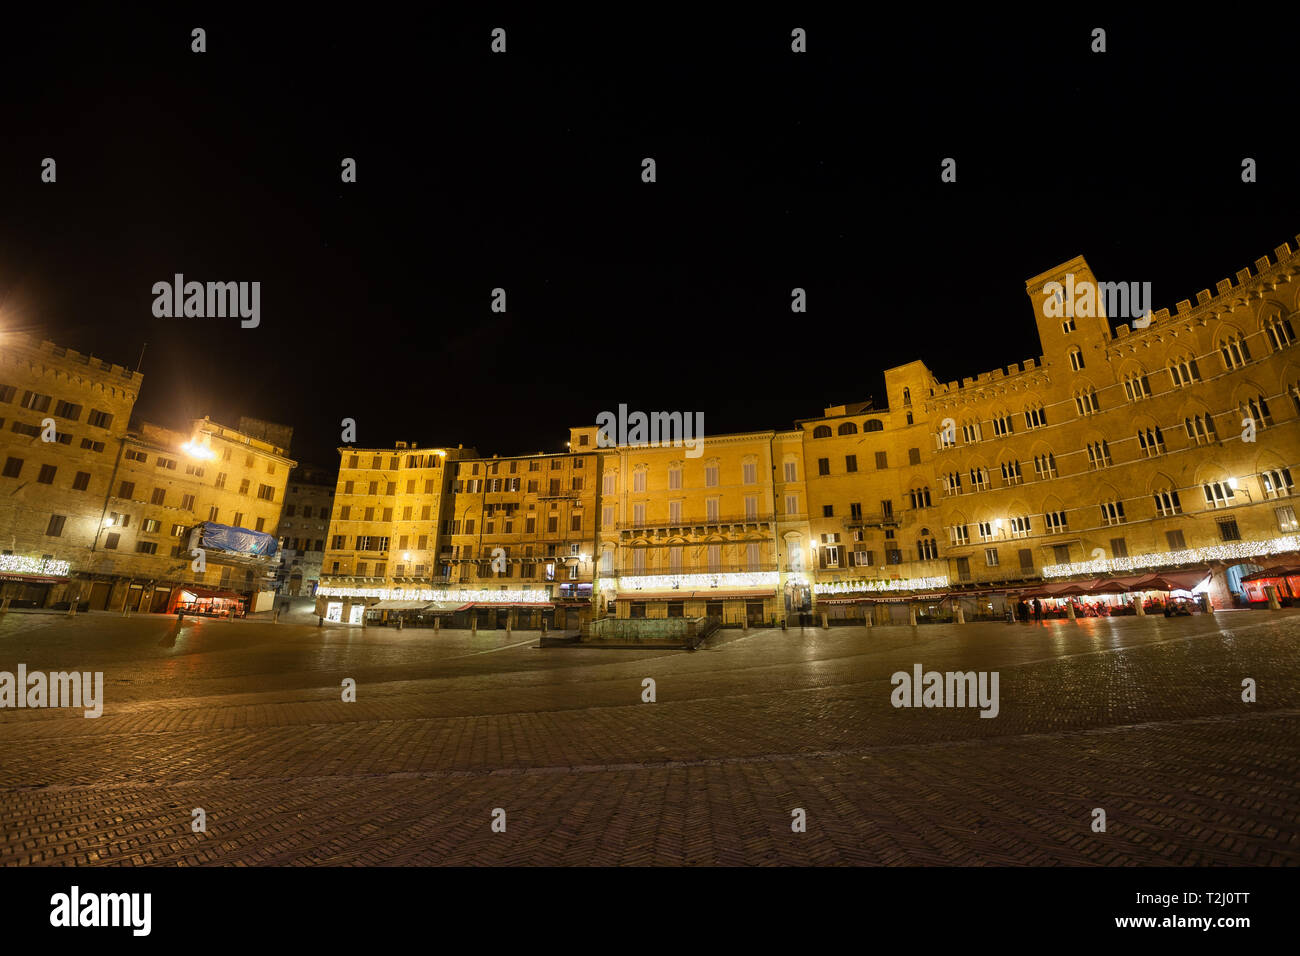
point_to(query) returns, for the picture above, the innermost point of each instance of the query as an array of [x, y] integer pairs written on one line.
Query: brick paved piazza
[[1141, 717]]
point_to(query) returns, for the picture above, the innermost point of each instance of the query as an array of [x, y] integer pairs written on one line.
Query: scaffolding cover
[[222, 537]]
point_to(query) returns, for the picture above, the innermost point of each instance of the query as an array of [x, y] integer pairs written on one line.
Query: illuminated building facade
[[1121, 449], [52, 493], [524, 524], [720, 532], [100, 513], [167, 486], [383, 543]]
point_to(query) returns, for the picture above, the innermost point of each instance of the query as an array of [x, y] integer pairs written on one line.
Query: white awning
[[397, 606]]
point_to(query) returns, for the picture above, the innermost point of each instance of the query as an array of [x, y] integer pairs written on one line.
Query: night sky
[[523, 171]]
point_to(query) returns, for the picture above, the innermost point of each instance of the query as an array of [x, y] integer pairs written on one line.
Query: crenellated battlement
[[69, 357], [1228, 295]]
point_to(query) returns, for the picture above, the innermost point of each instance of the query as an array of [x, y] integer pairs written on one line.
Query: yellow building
[[720, 533], [390, 505], [873, 508], [1144, 448], [523, 534], [176, 492], [52, 492], [1167, 445]]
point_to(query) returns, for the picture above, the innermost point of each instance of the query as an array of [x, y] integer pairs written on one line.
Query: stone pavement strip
[[1142, 718]]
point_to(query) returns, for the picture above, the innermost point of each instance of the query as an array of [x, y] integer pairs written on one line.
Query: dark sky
[[522, 171]]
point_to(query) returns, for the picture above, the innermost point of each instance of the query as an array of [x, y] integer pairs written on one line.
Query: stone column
[[1273, 603], [911, 614], [1069, 610], [1138, 609]]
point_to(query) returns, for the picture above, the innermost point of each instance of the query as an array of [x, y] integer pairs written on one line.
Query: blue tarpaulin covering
[[222, 537]]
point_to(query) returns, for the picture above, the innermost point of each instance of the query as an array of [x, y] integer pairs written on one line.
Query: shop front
[[738, 608], [204, 602], [1175, 592], [1284, 579]]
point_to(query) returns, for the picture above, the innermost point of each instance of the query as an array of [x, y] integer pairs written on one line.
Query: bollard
[[473, 625], [4, 606], [437, 624], [911, 614], [363, 620], [1206, 604], [961, 614], [1069, 610], [400, 625], [1138, 609], [320, 621], [1273, 603], [275, 617], [825, 623]]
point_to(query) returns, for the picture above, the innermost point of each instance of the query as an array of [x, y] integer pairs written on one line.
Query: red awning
[[1269, 573], [1174, 580]]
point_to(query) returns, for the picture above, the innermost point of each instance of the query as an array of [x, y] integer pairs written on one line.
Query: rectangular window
[[126, 490], [791, 471], [1026, 559], [81, 481], [111, 539], [792, 504], [711, 509], [46, 477], [1228, 530], [850, 463], [55, 528], [638, 515], [710, 476], [13, 467], [146, 547], [1174, 539], [749, 472], [991, 557], [823, 466], [151, 526], [1286, 519], [882, 460], [674, 512], [158, 497], [1118, 548], [99, 419], [751, 507]]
